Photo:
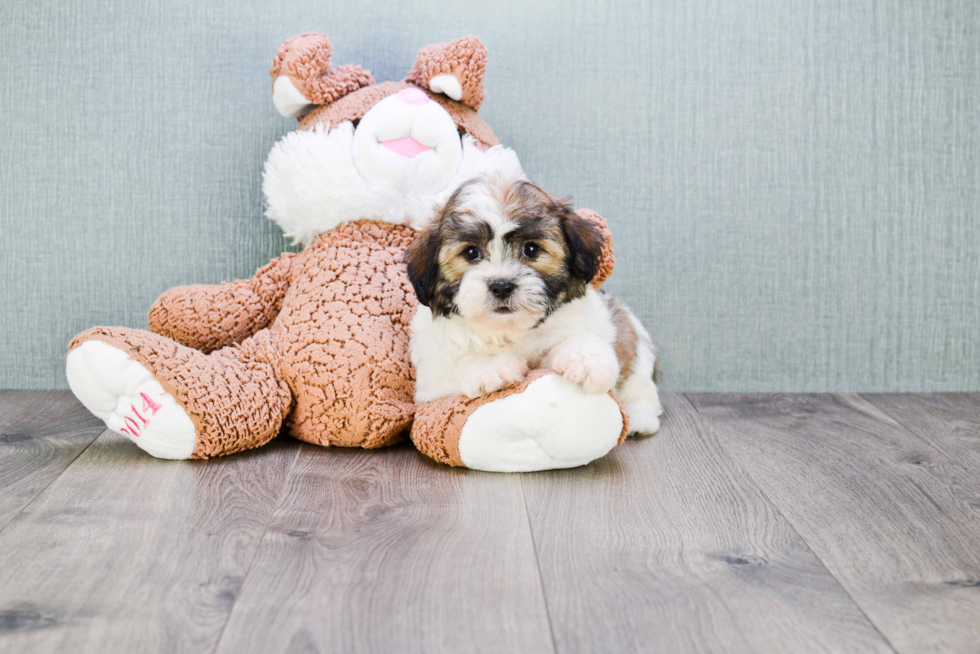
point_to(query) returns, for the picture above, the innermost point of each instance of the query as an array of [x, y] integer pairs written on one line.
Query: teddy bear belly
[[343, 337]]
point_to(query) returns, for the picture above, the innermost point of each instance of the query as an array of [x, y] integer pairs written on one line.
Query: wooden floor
[[759, 523]]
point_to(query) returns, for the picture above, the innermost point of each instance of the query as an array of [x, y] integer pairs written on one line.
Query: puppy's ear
[[583, 240], [422, 257]]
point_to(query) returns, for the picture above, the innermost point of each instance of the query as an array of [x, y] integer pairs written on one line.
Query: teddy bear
[[316, 342]]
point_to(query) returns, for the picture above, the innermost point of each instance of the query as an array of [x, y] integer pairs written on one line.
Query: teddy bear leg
[[543, 423], [176, 402]]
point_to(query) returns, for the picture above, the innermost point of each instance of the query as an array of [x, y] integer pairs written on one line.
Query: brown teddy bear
[[318, 341]]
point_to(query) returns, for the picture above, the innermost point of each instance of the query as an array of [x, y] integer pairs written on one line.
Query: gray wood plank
[[386, 551], [41, 433], [950, 422], [126, 553], [666, 545], [892, 517]]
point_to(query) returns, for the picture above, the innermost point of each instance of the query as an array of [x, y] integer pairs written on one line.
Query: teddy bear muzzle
[[407, 142]]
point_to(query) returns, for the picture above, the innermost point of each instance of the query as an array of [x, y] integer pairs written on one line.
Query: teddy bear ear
[[303, 78], [455, 69]]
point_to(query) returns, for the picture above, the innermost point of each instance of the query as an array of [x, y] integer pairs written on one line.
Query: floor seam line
[[927, 442], [56, 478], [258, 546], [537, 565], [792, 525]]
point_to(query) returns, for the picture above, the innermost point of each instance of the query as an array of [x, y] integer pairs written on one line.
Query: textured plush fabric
[[338, 345], [607, 258], [793, 187], [343, 334], [352, 107], [236, 397], [306, 60], [466, 59], [335, 361], [209, 317], [438, 424]]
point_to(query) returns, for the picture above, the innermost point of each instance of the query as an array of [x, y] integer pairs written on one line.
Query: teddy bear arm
[[209, 317], [607, 259]]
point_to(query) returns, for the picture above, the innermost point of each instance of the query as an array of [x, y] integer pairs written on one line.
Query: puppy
[[502, 277]]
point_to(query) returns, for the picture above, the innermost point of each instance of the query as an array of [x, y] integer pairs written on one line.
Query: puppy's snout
[[502, 288]]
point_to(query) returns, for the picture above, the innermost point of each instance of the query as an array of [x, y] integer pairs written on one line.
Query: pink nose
[[413, 96]]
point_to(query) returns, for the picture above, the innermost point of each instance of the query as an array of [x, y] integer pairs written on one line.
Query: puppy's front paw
[[589, 363], [489, 375]]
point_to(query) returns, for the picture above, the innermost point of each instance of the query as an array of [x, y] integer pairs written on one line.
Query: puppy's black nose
[[502, 289]]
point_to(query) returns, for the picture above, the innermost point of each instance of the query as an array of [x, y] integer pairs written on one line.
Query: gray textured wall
[[794, 187]]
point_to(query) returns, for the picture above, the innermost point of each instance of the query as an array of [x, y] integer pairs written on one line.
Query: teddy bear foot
[[552, 424], [544, 423], [131, 402]]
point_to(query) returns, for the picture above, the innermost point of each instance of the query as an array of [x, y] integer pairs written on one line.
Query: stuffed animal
[[317, 341]]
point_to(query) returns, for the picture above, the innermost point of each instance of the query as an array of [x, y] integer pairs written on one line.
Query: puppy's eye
[[471, 253], [530, 250]]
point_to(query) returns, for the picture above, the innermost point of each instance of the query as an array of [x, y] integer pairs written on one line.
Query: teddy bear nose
[[413, 96]]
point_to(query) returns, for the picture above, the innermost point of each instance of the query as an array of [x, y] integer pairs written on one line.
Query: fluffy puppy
[[502, 277]]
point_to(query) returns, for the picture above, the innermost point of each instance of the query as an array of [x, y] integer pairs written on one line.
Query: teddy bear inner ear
[[455, 69], [290, 103], [447, 84]]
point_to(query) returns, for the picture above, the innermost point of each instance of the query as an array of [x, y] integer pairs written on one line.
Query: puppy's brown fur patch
[[626, 337]]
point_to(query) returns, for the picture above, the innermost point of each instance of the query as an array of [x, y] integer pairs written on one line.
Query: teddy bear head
[[392, 151]]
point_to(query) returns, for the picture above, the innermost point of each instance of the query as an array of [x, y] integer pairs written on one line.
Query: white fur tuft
[[312, 185]]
